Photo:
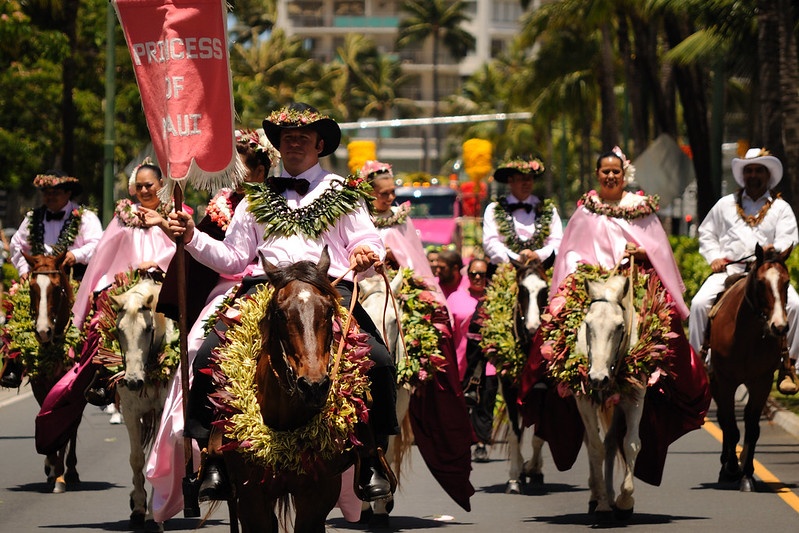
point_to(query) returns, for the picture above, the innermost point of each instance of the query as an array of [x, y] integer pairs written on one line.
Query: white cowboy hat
[[757, 156]]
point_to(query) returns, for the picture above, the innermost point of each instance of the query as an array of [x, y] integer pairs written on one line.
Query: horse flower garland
[[645, 361], [421, 311], [18, 339], [328, 434], [109, 353], [495, 318]]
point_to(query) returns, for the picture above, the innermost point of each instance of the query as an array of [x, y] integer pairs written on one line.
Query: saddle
[[729, 283]]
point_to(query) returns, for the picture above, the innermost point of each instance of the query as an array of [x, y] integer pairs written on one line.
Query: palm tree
[[253, 17], [440, 20]]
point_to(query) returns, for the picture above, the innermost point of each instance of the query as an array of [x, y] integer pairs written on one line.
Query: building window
[[349, 8], [507, 11]]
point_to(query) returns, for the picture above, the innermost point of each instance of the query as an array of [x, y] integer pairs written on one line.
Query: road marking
[[16, 398], [761, 471]]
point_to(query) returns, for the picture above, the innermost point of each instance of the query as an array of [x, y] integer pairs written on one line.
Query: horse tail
[[150, 421], [402, 444]]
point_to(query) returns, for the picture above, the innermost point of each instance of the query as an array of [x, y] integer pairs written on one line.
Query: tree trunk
[[69, 115], [768, 57], [789, 82], [609, 134]]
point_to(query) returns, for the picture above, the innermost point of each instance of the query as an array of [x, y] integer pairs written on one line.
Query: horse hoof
[[603, 517], [513, 487], [727, 476], [390, 505], [622, 514], [60, 485], [592, 504], [536, 479], [151, 526], [747, 484], [72, 478], [366, 516], [136, 521], [379, 521]]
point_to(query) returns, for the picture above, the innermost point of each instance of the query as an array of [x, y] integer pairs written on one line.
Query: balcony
[[365, 22]]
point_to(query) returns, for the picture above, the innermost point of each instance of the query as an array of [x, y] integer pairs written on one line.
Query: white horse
[[142, 335], [533, 288], [608, 330], [373, 298]]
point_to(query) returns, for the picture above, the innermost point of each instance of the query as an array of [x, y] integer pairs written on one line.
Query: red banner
[[180, 57]]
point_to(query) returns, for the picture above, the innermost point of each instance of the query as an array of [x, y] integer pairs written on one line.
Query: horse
[[608, 330], [747, 335], [51, 298], [293, 380], [142, 335], [533, 288], [376, 301]]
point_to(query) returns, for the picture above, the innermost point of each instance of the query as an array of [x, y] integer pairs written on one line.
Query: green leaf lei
[[272, 210], [561, 322], [328, 434], [495, 317], [66, 237], [109, 353], [543, 221], [18, 339], [395, 219], [594, 204], [421, 311]]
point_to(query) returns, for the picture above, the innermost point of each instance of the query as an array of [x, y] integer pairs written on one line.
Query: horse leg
[[724, 395], [611, 448], [314, 503], [56, 462], [138, 496], [633, 408], [515, 473], [534, 467], [758, 395], [598, 503], [71, 475]]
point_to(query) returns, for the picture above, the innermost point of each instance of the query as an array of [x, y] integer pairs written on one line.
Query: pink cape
[[121, 249], [600, 240]]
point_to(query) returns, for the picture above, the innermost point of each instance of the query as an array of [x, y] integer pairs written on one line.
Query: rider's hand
[[718, 265], [69, 259], [525, 256], [635, 251], [151, 217], [362, 258], [181, 223]]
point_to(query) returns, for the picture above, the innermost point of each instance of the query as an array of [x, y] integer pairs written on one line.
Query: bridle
[[64, 292]]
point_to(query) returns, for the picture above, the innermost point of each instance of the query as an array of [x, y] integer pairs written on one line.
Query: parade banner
[[180, 57]]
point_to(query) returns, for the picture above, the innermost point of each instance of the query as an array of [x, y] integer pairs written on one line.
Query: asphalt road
[[689, 499]]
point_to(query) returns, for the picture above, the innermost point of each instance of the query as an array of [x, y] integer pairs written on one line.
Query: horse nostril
[[315, 393]]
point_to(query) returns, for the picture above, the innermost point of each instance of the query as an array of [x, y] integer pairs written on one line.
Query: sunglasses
[[477, 274]]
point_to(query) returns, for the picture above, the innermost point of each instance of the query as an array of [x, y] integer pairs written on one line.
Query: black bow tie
[[280, 185], [519, 205], [49, 215]]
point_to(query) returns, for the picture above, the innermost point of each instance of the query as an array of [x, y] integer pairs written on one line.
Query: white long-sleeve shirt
[[524, 223], [724, 234], [89, 234], [245, 236]]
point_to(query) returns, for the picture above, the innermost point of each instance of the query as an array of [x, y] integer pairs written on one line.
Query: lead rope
[[347, 322]]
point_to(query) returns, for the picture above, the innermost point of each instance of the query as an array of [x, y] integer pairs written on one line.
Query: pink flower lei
[[220, 208], [593, 203]]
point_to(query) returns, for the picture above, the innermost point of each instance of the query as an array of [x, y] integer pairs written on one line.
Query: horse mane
[[306, 272]]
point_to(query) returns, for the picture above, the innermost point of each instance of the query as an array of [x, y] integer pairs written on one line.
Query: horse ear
[[516, 264], [116, 301], [549, 261], [324, 261], [786, 253], [396, 283], [759, 253], [268, 267], [28, 258]]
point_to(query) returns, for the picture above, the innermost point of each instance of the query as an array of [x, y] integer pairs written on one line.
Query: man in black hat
[[59, 225], [289, 219]]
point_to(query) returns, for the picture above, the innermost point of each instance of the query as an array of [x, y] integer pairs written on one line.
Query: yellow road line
[[761, 471]]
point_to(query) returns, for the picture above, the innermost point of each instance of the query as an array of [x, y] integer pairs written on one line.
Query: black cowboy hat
[[299, 115]]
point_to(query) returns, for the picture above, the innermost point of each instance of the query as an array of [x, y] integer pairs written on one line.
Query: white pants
[[705, 297]]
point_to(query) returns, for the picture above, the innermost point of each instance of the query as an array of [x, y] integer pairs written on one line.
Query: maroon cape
[[673, 407], [441, 426]]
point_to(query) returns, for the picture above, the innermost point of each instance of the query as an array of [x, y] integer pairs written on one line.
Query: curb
[[784, 418]]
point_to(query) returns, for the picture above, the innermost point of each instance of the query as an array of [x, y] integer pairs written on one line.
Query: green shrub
[[692, 265]]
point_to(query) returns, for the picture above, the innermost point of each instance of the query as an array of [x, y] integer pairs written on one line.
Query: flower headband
[[531, 166], [292, 117], [46, 181], [132, 181], [371, 168], [626, 164]]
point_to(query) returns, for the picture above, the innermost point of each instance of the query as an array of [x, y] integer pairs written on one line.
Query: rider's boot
[[787, 382], [12, 374], [214, 481], [100, 391], [374, 475]]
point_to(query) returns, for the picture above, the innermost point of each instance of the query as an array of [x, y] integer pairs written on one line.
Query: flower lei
[[18, 339], [753, 220], [645, 362], [397, 218], [125, 212], [495, 318], [220, 208], [66, 237], [594, 204], [329, 433], [272, 210], [544, 212], [103, 317], [420, 311]]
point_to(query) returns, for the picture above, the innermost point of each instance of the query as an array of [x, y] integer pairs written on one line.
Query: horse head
[[533, 284], [51, 296], [767, 288], [604, 335], [140, 330], [297, 332]]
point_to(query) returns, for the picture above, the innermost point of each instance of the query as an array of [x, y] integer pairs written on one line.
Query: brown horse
[[747, 334], [51, 300], [293, 383]]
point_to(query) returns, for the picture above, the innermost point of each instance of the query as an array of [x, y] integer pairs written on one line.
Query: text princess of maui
[[178, 49]]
